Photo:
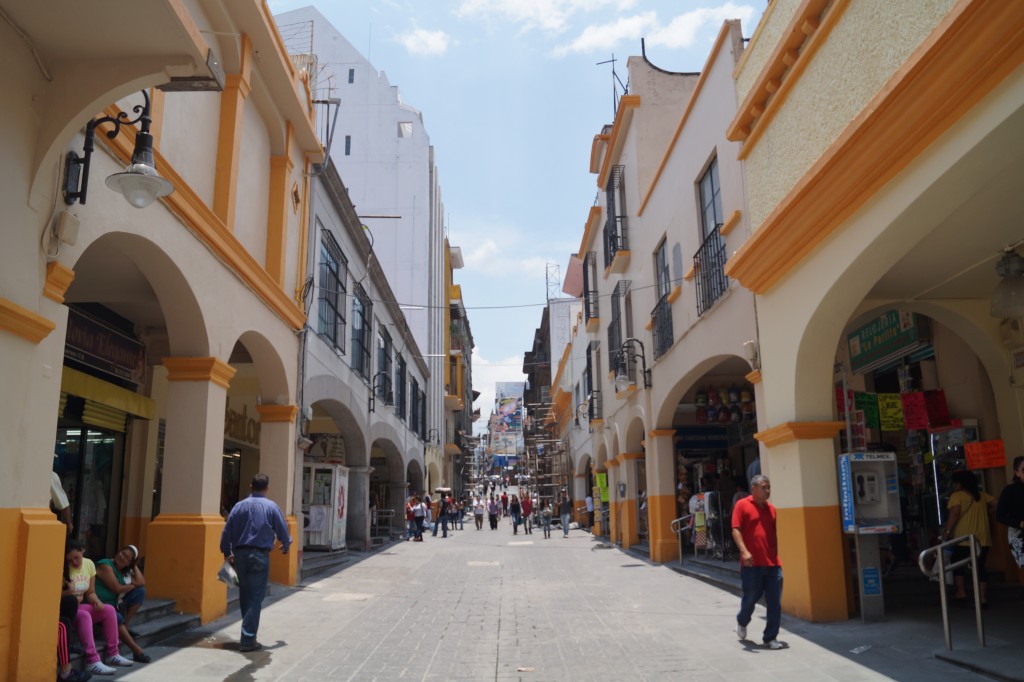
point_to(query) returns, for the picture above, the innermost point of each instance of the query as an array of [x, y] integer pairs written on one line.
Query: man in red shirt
[[527, 507], [753, 531]]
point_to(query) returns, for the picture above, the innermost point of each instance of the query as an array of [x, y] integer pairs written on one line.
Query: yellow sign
[[890, 411]]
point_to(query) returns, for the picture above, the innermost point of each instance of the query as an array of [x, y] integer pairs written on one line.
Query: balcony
[[616, 243], [709, 270]]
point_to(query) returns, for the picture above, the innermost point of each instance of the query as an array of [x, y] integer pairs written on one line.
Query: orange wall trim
[[754, 377], [793, 431], [58, 279], [32, 542], [589, 230], [284, 568], [661, 510], [210, 229], [623, 117], [134, 531], [654, 433], [183, 556], [975, 47], [23, 322], [199, 369], [277, 216], [811, 549], [731, 222], [277, 413]]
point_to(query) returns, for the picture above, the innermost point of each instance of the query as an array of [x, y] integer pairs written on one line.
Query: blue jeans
[[515, 523], [253, 568], [442, 522], [758, 580], [565, 524]]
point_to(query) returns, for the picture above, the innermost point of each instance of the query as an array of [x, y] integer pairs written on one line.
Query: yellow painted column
[[229, 136], [801, 465], [661, 495], [277, 214], [614, 524], [183, 542], [277, 460]]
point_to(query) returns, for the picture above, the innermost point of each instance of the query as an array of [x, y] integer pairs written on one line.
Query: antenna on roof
[[616, 84]]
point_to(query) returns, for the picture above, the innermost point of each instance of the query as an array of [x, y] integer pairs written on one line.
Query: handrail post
[[940, 558], [977, 594]]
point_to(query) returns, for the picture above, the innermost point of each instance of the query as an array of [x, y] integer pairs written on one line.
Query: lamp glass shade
[[622, 382], [140, 185], [1008, 298]]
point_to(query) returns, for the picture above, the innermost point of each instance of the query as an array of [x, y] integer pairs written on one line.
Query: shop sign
[[602, 484], [327, 448], [893, 331], [890, 411], [868, 402], [239, 426], [871, 581], [846, 495], [703, 437], [987, 454], [101, 347], [915, 412]]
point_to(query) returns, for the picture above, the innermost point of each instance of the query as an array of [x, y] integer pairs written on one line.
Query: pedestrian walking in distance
[[753, 531], [565, 511], [246, 542]]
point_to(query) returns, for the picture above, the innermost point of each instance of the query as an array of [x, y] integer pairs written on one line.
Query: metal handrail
[[677, 527], [937, 550]]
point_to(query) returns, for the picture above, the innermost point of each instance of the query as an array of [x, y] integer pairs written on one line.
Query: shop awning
[[98, 391]]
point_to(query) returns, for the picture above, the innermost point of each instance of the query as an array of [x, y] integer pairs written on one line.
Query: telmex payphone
[[870, 500]]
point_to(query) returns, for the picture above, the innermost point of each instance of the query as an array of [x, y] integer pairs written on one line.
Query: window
[[333, 276], [709, 261], [351, 75], [661, 316], [616, 234], [400, 386], [590, 295], [405, 128], [663, 281], [348, 145], [593, 395], [382, 385], [710, 199], [423, 415], [414, 405], [362, 321], [617, 327]]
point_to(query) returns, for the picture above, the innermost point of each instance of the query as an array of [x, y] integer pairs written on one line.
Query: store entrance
[[88, 460]]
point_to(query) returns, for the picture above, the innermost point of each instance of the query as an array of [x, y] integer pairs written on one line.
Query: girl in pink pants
[[80, 580]]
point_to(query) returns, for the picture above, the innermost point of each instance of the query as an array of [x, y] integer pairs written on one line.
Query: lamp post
[[628, 352], [139, 182]]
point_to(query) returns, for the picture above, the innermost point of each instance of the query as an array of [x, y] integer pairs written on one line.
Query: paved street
[[490, 605]]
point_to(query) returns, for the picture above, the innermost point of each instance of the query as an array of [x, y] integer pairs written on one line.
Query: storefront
[[103, 366]]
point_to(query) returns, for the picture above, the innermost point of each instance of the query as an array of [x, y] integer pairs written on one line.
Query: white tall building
[[386, 161]]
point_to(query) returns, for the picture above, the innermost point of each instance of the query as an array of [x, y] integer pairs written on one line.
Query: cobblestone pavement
[[490, 605]]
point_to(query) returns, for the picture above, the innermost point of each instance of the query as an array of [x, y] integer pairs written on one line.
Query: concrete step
[[152, 609], [317, 563], [724, 575]]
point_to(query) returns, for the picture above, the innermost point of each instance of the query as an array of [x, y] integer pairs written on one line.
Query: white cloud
[[602, 36], [504, 259], [547, 15], [486, 373], [420, 41], [682, 31]]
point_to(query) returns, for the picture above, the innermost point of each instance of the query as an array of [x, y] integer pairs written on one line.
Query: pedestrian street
[[490, 605]]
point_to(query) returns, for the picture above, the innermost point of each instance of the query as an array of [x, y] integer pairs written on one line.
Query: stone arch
[[665, 412], [270, 369], [332, 396], [414, 475], [635, 435]]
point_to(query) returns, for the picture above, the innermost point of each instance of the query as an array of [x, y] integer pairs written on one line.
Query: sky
[[512, 95]]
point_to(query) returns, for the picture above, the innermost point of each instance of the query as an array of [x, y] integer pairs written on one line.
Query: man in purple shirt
[[246, 542]]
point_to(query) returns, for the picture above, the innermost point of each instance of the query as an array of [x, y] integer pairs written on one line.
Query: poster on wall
[[868, 403], [890, 411], [915, 411], [859, 438], [987, 454]]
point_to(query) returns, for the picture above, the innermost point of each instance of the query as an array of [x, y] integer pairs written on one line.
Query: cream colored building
[[883, 145], [156, 347], [671, 207]]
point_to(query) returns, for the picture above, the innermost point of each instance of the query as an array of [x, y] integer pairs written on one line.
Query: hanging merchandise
[[724, 415], [723, 395], [702, 415], [748, 412], [734, 394], [702, 398], [746, 395], [712, 397], [736, 414], [712, 414]]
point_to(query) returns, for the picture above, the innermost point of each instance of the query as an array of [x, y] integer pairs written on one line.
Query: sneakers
[[741, 631], [120, 661], [774, 645], [249, 646], [98, 668]]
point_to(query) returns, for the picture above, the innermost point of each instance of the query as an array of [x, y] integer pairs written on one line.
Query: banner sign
[[987, 454], [102, 347], [703, 437], [869, 403], [602, 484], [915, 411]]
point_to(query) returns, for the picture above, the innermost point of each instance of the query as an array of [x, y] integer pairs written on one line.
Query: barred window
[[362, 321], [400, 386], [331, 304]]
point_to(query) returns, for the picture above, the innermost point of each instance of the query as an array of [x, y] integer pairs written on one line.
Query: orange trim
[[157, 98], [623, 117], [270, 414], [229, 136], [58, 279], [277, 216], [623, 395], [674, 294], [730, 223], [719, 41], [619, 262], [213, 370], [211, 230], [595, 152], [284, 568], [630, 456], [975, 47], [691, 273], [811, 548], [777, 71], [661, 510], [793, 431], [650, 324], [754, 377], [589, 230], [593, 324], [23, 322], [184, 553]]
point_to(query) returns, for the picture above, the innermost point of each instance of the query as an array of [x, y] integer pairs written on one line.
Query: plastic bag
[[227, 574]]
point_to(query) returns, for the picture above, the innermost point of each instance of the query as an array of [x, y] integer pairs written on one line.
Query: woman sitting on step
[[121, 580], [80, 580]]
